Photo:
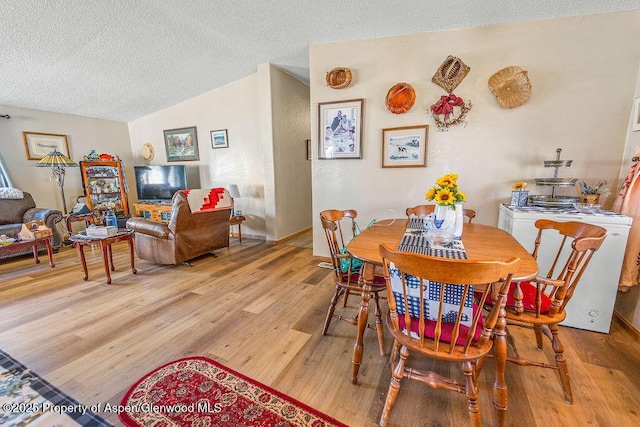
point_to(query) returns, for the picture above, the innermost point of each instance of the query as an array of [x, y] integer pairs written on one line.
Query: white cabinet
[[591, 307]]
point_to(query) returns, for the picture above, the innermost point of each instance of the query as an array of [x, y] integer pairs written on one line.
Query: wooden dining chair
[[434, 296], [541, 303], [340, 227], [423, 210]]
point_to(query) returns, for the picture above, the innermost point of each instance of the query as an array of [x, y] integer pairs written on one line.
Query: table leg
[[131, 241], [49, 253], [110, 252], [240, 232], [500, 396], [363, 318], [105, 259], [34, 249], [83, 260]]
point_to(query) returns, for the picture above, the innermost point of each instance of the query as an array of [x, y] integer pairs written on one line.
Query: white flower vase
[[445, 218], [459, 223]]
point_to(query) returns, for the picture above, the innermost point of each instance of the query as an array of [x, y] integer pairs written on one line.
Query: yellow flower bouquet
[[446, 192], [519, 194]]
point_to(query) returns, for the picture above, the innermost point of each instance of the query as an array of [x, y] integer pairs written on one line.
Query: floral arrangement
[[445, 192], [519, 186], [592, 189]]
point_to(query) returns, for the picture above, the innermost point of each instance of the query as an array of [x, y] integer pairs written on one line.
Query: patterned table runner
[[415, 241]]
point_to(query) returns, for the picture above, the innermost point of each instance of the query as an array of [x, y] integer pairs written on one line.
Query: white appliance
[[591, 307]]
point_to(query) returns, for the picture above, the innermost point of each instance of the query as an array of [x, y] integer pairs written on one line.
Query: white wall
[[291, 129], [83, 135], [583, 71], [259, 141]]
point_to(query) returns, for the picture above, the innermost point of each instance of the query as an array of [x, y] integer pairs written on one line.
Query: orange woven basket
[[400, 98], [338, 78]]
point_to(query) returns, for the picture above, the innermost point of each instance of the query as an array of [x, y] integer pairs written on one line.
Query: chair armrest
[[146, 226], [549, 282], [49, 216]]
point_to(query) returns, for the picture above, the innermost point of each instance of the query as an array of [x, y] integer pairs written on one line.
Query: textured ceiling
[[123, 59]]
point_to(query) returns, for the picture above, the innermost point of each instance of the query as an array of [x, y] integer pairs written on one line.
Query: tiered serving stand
[[553, 200]]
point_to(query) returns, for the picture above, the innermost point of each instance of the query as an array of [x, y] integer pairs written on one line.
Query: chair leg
[[561, 362], [332, 309], [346, 297], [379, 326], [394, 386], [471, 391], [538, 331]]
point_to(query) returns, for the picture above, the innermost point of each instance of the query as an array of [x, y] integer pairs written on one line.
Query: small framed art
[[39, 144], [404, 147], [308, 149], [181, 144], [340, 129], [635, 121], [219, 139]]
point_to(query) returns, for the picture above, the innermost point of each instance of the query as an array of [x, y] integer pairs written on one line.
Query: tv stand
[[155, 211]]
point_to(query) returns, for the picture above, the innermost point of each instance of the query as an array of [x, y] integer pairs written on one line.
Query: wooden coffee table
[[105, 247], [19, 245]]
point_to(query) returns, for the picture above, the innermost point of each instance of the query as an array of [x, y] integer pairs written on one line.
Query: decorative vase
[[459, 222], [519, 198], [590, 198], [445, 218]]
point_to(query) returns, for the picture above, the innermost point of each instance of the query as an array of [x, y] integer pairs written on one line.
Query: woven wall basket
[[511, 86], [400, 98], [338, 78], [450, 73]]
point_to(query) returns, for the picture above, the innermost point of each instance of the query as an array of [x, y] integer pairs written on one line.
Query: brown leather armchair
[[186, 236]]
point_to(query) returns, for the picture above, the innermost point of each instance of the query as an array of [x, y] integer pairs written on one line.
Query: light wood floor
[[259, 309]]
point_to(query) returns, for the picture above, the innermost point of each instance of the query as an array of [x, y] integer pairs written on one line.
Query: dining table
[[481, 242]]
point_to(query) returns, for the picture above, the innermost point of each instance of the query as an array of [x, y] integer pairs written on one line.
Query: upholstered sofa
[[187, 235], [16, 211]]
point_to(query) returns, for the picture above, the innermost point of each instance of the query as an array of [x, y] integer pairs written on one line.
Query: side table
[[237, 220], [18, 245], [105, 243]]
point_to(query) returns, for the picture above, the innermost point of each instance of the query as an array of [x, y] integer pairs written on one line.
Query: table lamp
[[58, 162], [234, 192]]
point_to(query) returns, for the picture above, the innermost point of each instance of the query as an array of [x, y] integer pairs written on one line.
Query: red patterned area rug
[[197, 391]]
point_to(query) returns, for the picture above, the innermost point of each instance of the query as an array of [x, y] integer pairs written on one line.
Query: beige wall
[[583, 71], [247, 108], [83, 135]]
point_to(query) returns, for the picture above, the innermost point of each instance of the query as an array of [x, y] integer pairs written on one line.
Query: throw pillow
[[10, 193]]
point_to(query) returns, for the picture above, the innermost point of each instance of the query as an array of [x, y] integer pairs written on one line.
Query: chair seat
[[447, 328], [377, 280], [528, 298]]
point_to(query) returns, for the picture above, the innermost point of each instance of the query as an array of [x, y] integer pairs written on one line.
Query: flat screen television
[[159, 183]]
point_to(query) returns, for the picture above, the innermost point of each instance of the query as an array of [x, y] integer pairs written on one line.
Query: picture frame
[[40, 144], [405, 147], [309, 149], [635, 120], [340, 129], [219, 139], [181, 144]]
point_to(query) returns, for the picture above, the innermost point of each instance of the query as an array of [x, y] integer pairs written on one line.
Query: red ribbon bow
[[446, 104]]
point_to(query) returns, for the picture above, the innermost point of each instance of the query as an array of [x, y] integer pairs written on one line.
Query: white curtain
[[5, 180], [628, 203]]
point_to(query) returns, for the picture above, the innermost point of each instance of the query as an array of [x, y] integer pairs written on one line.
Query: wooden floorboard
[[259, 309]]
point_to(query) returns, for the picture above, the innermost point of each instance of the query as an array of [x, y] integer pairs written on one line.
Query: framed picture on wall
[[340, 129], [39, 144], [219, 139], [181, 144], [404, 147]]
